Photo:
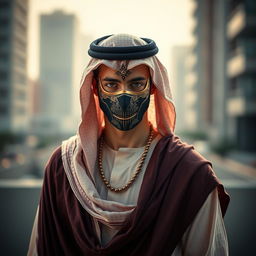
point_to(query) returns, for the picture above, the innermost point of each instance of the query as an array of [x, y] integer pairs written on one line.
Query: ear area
[[95, 86]]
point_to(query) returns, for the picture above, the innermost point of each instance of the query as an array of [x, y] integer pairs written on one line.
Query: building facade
[[225, 33], [183, 94], [14, 100], [59, 48], [241, 73], [202, 49]]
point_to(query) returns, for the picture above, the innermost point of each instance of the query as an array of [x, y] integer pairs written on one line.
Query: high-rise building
[[241, 72], [190, 115], [203, 67], [226, 66], [182, 93], [210, 50], [59, 71], [83, 60], [13, 66]]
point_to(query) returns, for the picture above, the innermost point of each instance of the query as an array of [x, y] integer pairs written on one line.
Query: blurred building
[[182, 93], [34, 107], [59, 71], [210, 53], [83, 58], [13, 66], [85, 41], [202, 50], [191, 114], [241, 72], [225, 34]]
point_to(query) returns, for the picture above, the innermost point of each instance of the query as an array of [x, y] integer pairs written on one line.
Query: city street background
[[209, 50]]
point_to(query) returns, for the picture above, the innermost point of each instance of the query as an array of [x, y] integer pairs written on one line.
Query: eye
[[110, 85], [137, 86]]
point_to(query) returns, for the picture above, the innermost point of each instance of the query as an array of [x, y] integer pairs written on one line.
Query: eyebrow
[[109, 79], [140, 78]]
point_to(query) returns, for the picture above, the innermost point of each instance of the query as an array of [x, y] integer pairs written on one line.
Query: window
[[4, 21], [3, 110], [20, 78], [21, 9], [21, 94], [3, 76], [20, 61], [20, 26], [20, 110], [3, 92], [4, 4], [20, 44]]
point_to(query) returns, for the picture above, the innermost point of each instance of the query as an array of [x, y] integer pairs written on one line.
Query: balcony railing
[[242, 21], [237, 21], [241, 61]]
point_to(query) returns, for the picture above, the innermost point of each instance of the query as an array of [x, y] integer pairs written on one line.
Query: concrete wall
[[18, 208], [240, 221]]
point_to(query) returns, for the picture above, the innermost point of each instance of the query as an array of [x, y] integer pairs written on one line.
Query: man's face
[[124, 94]]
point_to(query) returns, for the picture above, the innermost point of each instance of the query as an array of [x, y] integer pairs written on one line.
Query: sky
[[167, 22]]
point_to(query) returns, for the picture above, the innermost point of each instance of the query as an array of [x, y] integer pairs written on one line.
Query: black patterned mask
[[125, 110]]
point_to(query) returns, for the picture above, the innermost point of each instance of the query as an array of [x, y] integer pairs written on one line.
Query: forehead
[[140, 70]]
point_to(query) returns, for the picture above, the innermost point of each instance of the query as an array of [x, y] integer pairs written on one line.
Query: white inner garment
[[119, 166]]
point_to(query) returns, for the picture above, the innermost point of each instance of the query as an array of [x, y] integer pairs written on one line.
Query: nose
[[124, 87], [124, 102]]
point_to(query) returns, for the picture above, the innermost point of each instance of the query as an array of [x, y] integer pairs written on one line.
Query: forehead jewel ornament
[[123, 71]]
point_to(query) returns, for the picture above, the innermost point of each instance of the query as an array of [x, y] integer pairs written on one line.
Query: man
[[125, 184]]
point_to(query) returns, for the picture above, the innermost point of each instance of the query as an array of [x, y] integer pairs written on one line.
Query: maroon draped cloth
[[177, 182]]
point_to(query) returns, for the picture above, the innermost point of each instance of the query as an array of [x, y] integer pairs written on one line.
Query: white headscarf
[[90, 128], [92, 117]]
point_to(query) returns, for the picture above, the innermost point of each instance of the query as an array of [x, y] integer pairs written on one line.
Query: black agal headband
[[122, 53]]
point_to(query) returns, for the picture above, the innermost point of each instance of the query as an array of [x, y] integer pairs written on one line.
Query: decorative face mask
[[124, 110]]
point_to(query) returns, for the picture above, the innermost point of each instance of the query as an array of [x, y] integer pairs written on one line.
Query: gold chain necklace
[[136, 173]]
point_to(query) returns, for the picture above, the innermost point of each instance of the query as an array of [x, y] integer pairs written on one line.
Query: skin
[[136, 137]]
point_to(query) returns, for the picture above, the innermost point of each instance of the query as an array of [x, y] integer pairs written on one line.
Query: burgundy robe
[[176, 184]]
